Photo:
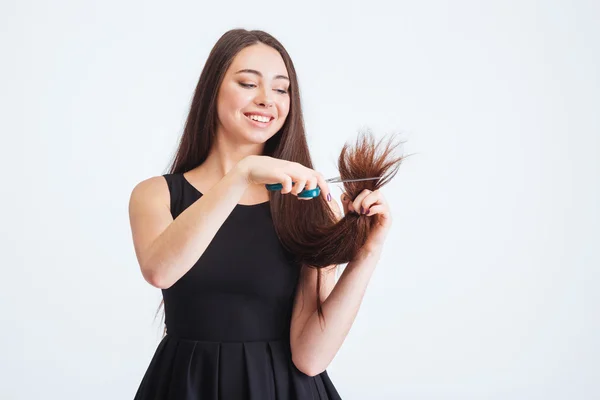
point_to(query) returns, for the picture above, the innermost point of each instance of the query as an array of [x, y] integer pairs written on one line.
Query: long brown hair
[[316, 238]]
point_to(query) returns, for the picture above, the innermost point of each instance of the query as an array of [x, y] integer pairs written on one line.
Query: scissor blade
[[339, 180]]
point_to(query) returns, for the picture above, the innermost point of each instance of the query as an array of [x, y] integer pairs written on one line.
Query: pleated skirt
[[183, 369]]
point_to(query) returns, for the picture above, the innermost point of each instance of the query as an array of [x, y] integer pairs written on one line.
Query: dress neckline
[[188, 183]]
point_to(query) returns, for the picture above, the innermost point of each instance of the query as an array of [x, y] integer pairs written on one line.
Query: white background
[[488, 288]]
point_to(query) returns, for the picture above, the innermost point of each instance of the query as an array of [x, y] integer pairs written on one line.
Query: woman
[[208, 234]]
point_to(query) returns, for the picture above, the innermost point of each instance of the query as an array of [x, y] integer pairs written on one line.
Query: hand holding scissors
[[309, 194]]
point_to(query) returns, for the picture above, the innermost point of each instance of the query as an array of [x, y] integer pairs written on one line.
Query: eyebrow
[[255, 72]]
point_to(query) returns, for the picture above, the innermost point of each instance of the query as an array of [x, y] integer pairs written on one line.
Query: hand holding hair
[[371, 204], [318, 239]]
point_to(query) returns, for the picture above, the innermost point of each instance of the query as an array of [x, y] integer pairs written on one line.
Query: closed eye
[[250, 86]]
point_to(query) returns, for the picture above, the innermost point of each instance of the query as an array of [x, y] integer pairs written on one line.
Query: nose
[[264, 99]]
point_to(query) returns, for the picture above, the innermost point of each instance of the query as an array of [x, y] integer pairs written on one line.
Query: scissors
[[309, 194]]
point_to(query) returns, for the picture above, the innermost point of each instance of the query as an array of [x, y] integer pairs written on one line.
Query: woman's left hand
[[372, 204]]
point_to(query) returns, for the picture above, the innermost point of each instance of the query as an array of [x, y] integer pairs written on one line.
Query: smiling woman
[[266, 82], [244, 294]]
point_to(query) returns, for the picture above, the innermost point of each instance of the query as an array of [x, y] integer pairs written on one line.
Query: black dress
[[228, 318]]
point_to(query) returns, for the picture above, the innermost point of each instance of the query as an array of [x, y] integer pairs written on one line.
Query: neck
[[225, 154]]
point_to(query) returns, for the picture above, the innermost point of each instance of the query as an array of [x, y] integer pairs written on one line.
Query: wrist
[[369, 252], [241, 171]]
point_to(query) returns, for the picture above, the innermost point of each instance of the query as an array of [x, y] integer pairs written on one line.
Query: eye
[[247, 85], [281, 91]]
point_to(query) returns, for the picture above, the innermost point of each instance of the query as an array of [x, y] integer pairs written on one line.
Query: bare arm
[[313, 344], [165, 248]]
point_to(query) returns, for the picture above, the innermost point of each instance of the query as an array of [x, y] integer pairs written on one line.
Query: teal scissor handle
[[305, 194], [309, 194]]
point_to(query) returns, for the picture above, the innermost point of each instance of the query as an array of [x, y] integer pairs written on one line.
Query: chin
[[258, 137]]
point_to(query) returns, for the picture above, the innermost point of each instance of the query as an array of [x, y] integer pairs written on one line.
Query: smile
[[259, 121]]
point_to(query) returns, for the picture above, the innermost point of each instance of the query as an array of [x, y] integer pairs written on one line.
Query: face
[[253, 100]]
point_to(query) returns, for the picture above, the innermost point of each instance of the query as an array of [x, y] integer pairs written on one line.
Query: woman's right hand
[[267, 170]]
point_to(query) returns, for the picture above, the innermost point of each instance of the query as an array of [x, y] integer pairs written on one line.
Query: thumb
[[347, 204]]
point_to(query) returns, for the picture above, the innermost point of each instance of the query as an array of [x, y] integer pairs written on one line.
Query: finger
[[345, 202], [357, 203], [287, 184], [324, 186], [375, 197], [379, 209], [299, 186], [311, 183]]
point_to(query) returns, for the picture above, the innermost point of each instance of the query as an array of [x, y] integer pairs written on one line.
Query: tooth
[[259, 118]]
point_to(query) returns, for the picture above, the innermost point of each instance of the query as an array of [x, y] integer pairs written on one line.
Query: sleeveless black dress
[[228, 318]]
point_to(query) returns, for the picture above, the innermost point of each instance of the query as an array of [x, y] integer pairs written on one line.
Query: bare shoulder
[[154, 190], [150, 196]]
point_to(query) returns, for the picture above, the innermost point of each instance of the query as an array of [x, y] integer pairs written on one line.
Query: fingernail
[[328, 196], [368, 211], [362, 210]]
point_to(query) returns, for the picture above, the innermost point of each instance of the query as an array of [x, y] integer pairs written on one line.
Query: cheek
[[232, 100], [284, 108]]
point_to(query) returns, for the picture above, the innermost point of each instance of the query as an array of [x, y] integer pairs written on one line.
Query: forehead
[[260, 57]]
